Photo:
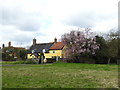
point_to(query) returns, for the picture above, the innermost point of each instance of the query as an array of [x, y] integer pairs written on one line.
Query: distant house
[[12, 53], [52, 50]]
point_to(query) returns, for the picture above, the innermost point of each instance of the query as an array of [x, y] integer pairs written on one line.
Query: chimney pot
[[34, 41], [9, 44], [3, 46], [55, 40]]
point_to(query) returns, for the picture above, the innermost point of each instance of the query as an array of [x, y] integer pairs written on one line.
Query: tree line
[[87, 47], [13, 54]]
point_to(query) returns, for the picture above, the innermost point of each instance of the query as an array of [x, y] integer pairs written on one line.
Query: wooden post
[[42, 59], [56, 58], [32, 59]]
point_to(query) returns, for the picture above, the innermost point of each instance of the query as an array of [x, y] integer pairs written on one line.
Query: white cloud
[[106, 26], [23, 20]]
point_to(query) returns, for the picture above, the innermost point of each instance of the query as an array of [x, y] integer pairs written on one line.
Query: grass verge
[[60, 75]]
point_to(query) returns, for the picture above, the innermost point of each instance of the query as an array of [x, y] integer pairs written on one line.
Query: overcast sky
[[23, 20]]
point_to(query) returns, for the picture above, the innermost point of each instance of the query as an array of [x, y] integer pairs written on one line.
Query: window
[[45, 51], [53, 51]]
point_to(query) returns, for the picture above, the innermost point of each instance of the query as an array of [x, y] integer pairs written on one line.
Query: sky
[[23, 20]]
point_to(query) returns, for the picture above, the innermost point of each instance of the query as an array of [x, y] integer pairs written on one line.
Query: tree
[[23, 54], [7, 53], [112, 49], [102, 53], [79, 43], [113, 45], [12, 53]]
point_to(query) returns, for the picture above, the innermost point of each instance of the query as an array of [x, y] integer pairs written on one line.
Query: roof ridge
[[44, 43], [57, 46]]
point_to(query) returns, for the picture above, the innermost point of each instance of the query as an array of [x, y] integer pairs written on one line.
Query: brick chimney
[[9, 44], [55, 40], [3, 46], [34, 41]]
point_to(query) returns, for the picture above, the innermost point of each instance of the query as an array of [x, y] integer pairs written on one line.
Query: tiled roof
[[57, 46], [40, 47]]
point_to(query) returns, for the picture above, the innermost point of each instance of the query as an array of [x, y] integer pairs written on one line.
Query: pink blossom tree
[[79, 42]]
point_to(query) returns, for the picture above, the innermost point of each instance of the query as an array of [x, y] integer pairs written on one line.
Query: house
[[12, 53], [52, 50]]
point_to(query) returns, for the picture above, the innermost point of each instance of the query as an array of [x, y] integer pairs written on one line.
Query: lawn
[[60, 75]]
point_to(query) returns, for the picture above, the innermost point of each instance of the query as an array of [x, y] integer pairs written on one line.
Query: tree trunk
[[109, 61]]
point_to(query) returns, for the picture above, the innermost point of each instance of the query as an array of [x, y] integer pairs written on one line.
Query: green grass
[[60, 75]]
